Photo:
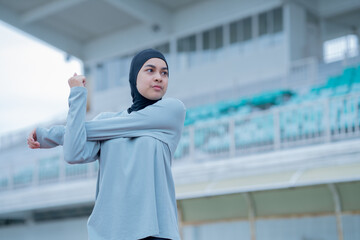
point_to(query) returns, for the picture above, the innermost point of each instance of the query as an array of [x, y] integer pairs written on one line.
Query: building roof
[[75, 25], [86, 28]]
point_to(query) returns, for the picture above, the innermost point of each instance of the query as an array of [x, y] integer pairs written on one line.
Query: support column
[[251, 213], [295, 30], [180, 219], [322, 36], [337, 208], [173, 51]]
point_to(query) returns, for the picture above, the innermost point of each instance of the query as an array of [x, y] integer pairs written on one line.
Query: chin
[[153, 98]]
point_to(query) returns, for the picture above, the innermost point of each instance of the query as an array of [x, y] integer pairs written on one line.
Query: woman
[[135, 192]]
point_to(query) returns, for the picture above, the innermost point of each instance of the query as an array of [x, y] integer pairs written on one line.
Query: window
[[234, 32], [247, 30], [271, 22], [278, 20], [213, 38], [110, 73], [263, 24], [340, 48], [163, 48], [186, 44], [240, 30]]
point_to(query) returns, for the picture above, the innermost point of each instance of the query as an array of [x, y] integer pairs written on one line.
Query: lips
[[157, 87]]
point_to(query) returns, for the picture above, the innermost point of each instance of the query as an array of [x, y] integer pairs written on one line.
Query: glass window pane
[[186, 44], [278, 20], [192, 44], [263, 24], [233, 32], [218, 37], [206, 40], [247, 30], [180, 45], [163, 48]]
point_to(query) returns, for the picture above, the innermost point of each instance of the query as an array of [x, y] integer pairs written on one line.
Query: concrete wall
[[191, 76], [72, 229]]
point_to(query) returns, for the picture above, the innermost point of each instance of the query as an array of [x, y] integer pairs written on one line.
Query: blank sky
[[33, 80]]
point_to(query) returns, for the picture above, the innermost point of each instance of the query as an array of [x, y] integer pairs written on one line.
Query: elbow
[[71, 160], [74, 161], [73, 157]]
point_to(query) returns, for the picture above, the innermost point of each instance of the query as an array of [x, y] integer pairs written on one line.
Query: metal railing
[[46, 170], [320, 121]]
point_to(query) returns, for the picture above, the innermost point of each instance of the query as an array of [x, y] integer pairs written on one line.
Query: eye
[[149, 70], [165, 73]]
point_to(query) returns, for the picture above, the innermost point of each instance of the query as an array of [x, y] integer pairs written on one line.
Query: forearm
[[166, 118], [75, 133], [52, 137]]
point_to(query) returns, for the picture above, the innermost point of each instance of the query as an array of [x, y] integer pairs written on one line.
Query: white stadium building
[[271, 144]]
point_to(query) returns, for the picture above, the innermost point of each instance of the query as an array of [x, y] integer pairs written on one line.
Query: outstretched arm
[[76, 149], [46, 138], [54, 136]]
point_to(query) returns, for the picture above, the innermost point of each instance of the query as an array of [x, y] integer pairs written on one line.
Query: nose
[[158, 77]]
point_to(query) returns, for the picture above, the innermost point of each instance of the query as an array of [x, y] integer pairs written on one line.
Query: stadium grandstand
[[270, 147]]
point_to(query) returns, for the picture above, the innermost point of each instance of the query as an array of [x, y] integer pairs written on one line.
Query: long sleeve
[[52, 137], [163, 120], [76, 147]]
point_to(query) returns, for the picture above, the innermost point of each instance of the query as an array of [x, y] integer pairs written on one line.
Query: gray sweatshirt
[[135, 192]]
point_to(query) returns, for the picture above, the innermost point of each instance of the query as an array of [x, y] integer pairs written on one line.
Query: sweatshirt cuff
[[78, 89], [40, 133]]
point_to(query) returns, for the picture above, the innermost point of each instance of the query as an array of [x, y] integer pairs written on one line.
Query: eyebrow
[[153, 66]]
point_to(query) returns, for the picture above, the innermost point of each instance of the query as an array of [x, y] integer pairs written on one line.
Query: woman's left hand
[[77, 81]]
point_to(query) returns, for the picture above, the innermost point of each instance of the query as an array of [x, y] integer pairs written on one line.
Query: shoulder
[[172, 103]]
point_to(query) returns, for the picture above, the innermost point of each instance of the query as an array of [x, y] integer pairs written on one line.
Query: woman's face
[[152, 79]]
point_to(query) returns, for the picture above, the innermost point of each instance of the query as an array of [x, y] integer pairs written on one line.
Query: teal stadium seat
[[268, 99], [295, 123], [356, 83], [245, 133]]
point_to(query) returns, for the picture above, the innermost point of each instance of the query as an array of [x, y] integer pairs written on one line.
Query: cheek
[[141, 83], [166, 84]]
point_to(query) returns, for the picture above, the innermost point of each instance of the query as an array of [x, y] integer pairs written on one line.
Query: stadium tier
[[234, 127], [251, 122]]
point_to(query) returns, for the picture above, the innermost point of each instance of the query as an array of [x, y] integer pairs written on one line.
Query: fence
[[321, 121], [316, 122]]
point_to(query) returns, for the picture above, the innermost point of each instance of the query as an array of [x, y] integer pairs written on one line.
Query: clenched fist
[[32, 140], [77, 81]]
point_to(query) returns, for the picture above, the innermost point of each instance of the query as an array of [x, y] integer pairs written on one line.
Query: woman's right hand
[[32, 140]]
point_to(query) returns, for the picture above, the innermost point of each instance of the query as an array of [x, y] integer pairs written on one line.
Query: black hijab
[[139, 101]]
